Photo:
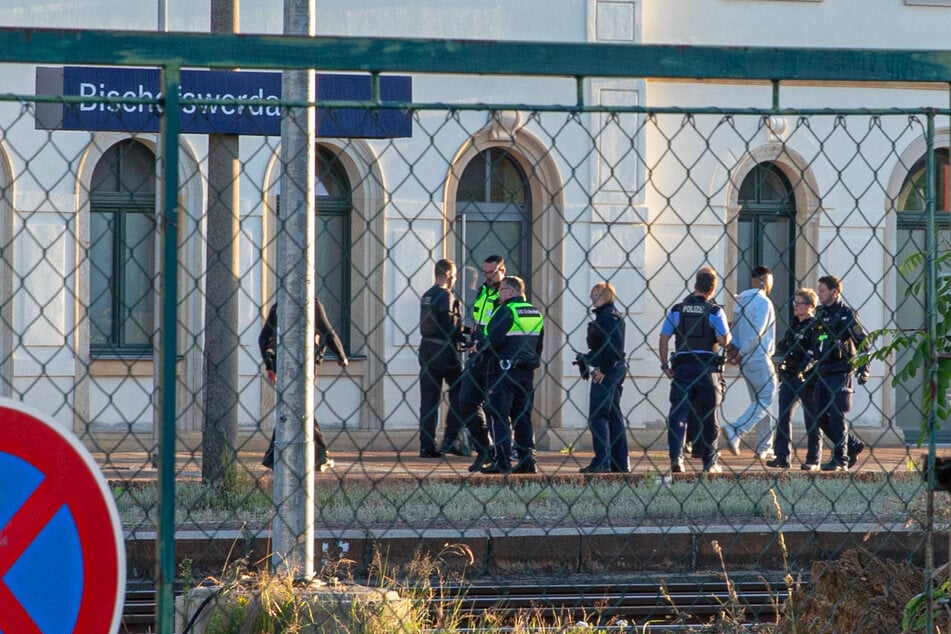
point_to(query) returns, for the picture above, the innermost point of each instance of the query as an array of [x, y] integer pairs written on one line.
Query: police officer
[[605, 357], [790, 356], [838, 335], [440, 360], [698, 326], [472, 393], [512, 348], [326, 337]]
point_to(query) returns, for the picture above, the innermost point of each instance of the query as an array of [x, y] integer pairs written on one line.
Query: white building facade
[[641, 200]]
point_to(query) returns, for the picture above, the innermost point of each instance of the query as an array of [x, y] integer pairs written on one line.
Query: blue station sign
[[261, 118]]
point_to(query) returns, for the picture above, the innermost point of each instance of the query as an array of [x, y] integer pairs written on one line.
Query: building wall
[[593, 204]]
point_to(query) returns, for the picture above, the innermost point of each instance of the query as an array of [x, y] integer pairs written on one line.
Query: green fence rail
[[509, 148]]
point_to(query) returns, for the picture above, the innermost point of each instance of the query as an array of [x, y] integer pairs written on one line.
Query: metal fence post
[[931, 326], [293, 528], [168, 333]]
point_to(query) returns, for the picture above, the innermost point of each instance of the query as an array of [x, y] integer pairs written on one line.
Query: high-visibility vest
[[482, 310], [526, 319]]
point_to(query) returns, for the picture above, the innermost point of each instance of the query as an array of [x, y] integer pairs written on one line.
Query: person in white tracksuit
[[754, 341]]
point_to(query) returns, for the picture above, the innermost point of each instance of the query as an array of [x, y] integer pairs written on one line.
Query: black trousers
[[472, 395], [438, 364], [320, 448]]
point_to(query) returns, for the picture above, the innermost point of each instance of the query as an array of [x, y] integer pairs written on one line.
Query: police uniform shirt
[[508, 340], [440, 315], [716, 320], [838, 336], [795, 344], [605, 337]]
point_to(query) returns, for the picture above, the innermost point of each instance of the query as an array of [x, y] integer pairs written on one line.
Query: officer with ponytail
[[605, 357]]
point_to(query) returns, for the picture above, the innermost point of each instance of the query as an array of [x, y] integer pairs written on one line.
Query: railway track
[[680, 605], [687, 603]]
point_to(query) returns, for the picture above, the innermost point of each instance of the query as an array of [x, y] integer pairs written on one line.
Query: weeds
[[732, 616], [420, 596], [793, 587], [267, 603]]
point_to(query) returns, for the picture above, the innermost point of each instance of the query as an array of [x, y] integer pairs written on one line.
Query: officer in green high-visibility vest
[[512, 348], [472, 392]]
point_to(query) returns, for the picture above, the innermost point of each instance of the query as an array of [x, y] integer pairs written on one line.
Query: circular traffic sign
[[62, 556]]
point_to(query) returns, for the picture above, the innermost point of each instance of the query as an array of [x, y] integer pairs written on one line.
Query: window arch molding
[[548, 230], [7, 196], [905, 162], [359, 162], [191, 259], [808, 207], [912, 153], [893, 287]]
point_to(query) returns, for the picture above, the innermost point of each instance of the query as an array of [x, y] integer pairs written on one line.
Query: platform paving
[[567, 550], [387, 465]]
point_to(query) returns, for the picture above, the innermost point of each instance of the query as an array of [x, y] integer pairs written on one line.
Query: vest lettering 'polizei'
[[694, 333]]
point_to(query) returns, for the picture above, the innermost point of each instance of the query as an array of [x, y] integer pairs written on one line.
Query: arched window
[[122, 251], [334, 211], [911, 223], [766, 234], [493, 215], [912, 198], [334, 206]]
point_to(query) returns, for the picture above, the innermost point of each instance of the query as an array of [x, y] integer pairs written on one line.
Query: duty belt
[[712, 361], [517, 364]]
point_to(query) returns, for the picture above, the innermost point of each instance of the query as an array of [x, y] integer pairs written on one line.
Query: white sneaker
[[765, 455], [325, 465], [735, 446], [715, 468]]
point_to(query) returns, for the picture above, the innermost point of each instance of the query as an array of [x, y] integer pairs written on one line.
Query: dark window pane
[[913, 195], [334, 209], [122, 250], [765, 235], [101, 253], [138, 306], [493, 208], [472, 183]]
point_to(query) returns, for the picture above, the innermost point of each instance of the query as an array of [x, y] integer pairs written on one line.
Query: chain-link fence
[[134, 316]]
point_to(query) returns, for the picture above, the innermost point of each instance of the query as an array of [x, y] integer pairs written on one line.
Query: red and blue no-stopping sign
[[62, 556]]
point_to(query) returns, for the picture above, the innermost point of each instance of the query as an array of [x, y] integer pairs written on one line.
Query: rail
[[665, 605]]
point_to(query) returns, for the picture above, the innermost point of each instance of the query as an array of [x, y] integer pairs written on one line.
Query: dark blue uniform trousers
[[793, 389], [608, 431], [698, 389], [438, 365], [832, 394], [510, 401]]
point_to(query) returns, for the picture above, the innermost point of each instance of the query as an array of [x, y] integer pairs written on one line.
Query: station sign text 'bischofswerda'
[[263, 117]]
